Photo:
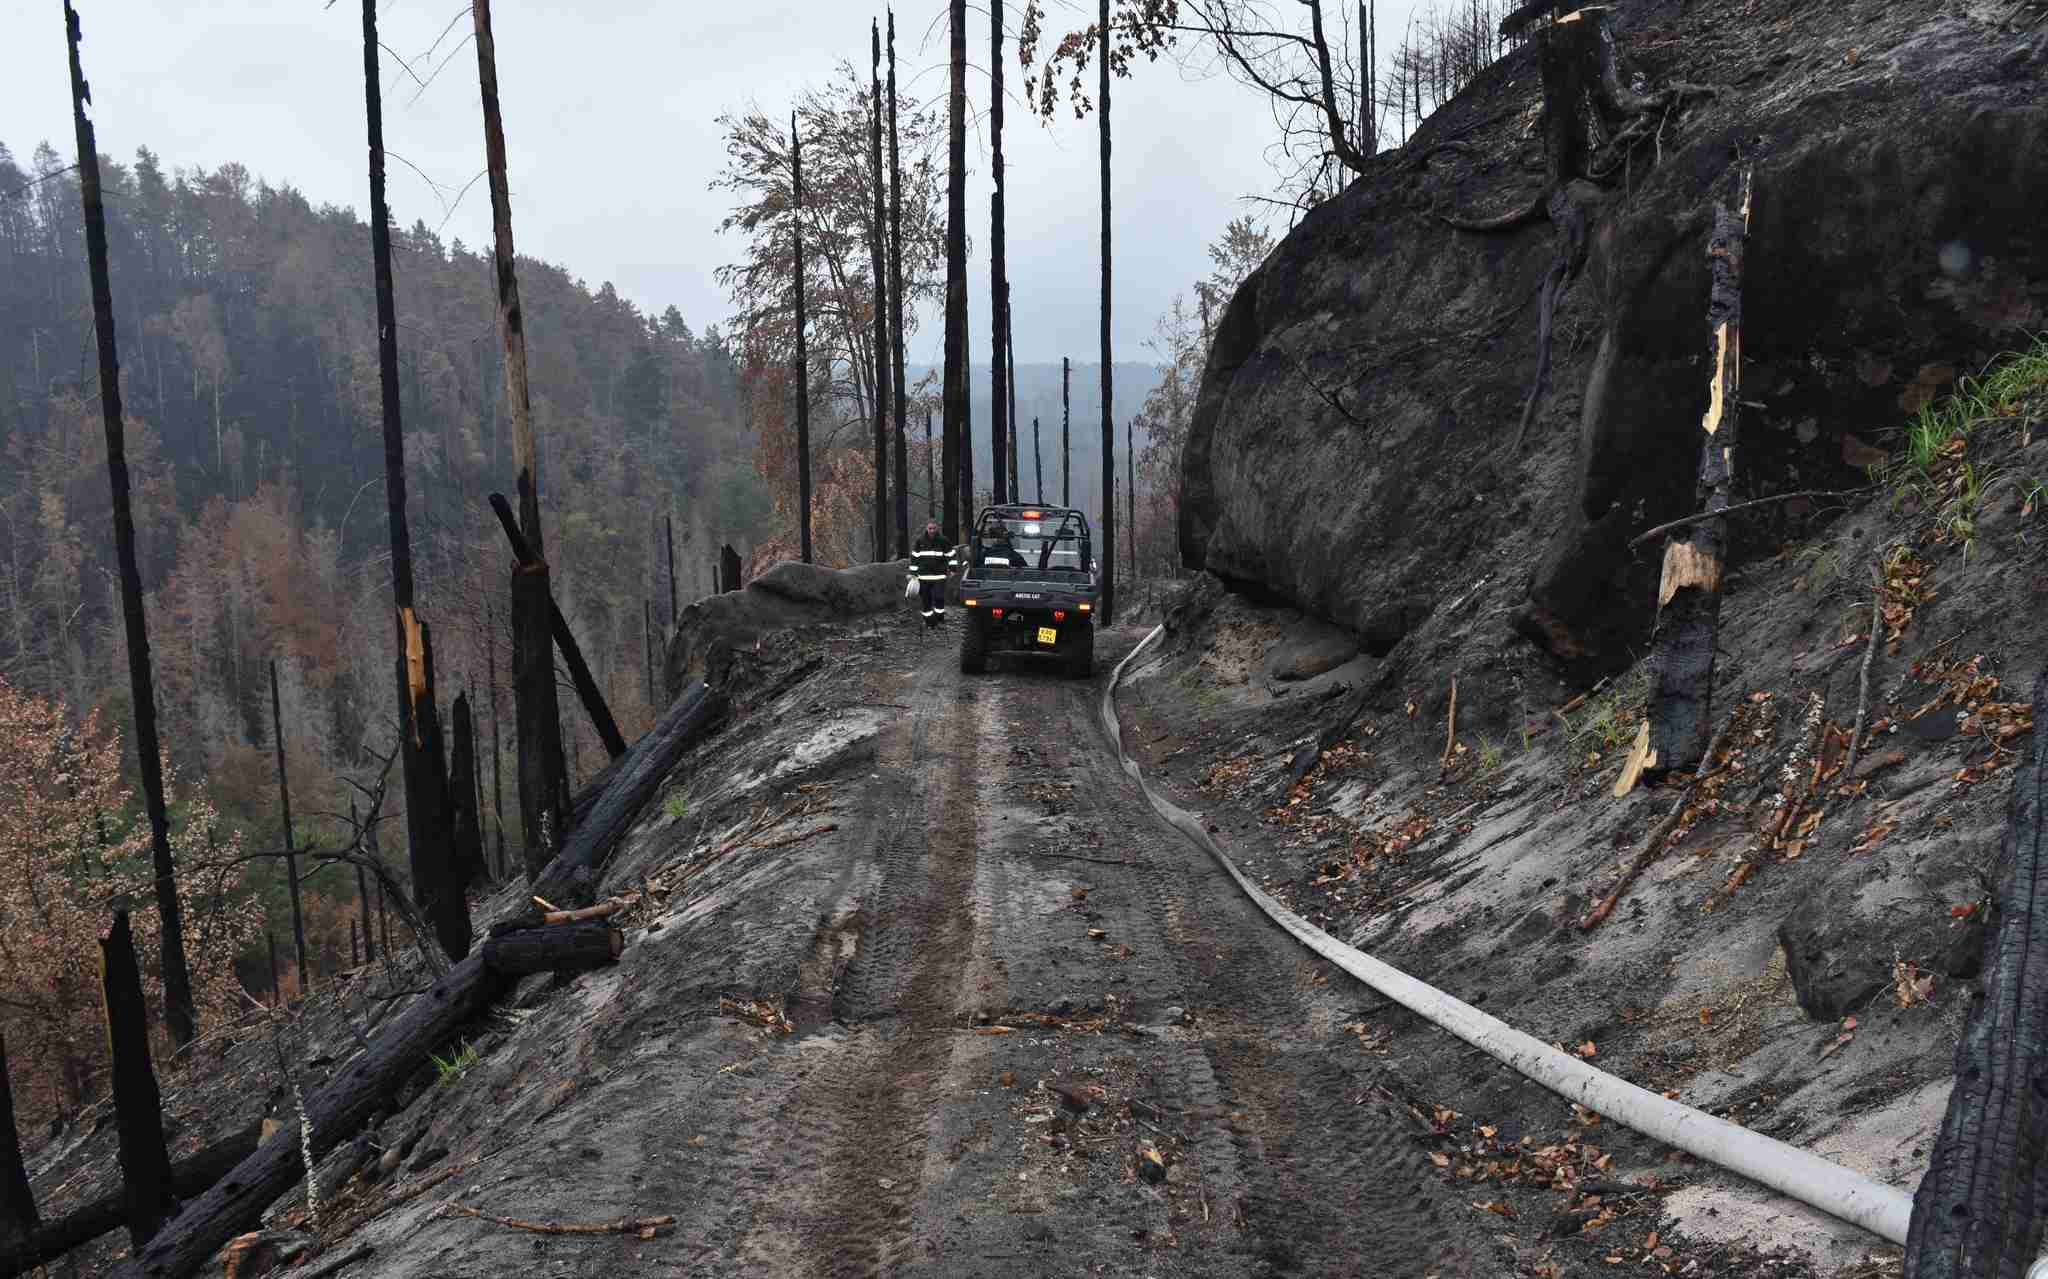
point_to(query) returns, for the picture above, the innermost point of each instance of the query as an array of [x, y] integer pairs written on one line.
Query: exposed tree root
[[1514, 217]]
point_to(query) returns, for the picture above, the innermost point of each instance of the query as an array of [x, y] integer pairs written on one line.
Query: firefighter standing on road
[[928, 565]]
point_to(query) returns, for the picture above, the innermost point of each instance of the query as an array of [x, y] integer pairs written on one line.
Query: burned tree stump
[[1689, 594], [1978, 1211], [565, 639], [728, 569], [469, 841], [557, 948], [18, 1221], [138, 1106], [429, 819], [543, 776]]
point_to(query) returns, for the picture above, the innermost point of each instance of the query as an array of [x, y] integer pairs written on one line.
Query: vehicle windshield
[[1051, 541]]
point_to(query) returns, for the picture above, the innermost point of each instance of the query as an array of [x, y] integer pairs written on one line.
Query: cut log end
[[1688, 564]]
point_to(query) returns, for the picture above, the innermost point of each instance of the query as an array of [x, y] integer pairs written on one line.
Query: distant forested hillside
[[248, 352]]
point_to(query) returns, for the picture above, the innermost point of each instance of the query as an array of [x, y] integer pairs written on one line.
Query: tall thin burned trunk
[[958, 463], [362, 885], [1131, 502], [999, 284], [899, 394], [468, 849], [674, 609], [138, 1103], [291, 857], [647, 634], [426, 781], [803, 350], [543, 778], [878, 245], [1368, 123], [1689, 594], [1108, 398], [1066, 430], [180, 1017], [1037, 461], [497, 766], [1010, 364], [931, 475], [18, 1216]]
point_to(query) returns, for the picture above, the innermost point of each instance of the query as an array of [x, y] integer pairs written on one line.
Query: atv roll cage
[[1039, 543]]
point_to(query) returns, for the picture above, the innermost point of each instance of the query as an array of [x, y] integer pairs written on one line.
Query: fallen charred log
[[571, 874], [193, 1175], [560, 948]]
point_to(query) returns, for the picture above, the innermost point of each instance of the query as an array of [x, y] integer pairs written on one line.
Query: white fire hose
[[1883, 1210]]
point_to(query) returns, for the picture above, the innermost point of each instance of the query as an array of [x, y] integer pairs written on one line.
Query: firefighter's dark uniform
[[928, 565]]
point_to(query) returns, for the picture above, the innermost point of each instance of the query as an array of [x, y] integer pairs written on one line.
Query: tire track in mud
[[841, 1152], [1318, 1179]]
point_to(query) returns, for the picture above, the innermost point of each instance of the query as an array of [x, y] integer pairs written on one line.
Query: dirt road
[[1028, 1032], [1024, 985]]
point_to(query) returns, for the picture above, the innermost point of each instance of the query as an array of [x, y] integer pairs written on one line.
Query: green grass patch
[[456, 1064], [1997, 394], [1608, 719], [676, 805]]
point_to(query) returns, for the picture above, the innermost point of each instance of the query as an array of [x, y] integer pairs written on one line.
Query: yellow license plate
[[1047, 635]]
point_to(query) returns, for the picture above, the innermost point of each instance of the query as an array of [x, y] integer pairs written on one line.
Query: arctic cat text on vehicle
[[1028, 588]]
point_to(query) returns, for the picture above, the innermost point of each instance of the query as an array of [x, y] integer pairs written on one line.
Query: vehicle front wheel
[[973, 645]]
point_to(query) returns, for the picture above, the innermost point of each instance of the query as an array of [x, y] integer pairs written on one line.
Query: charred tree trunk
[[1037, 462], [898, 392], [18, 1220], [334, 1112], [437, 871], [1689, 594], [195, 1174], [674, 608], [1131, 503], [363, 909], [958, 463], [1010, 363], [803, 351], [419, 721], [180, 1017], [1978, 1212], [999, 285], [693, 717], [1108, 613], [476, 791], [557, 948], [728, 569], [469, 840], [647, 635], [497, 755], [878, 251], [931, 480], [543, 778], [1066, 430], [138, 1106], [564, 639], [276, 976], [1368, 120], [291, 859]]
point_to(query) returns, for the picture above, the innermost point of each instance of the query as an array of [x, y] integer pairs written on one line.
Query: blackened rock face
[[1352, 451]]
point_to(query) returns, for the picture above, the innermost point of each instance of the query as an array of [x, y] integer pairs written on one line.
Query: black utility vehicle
[[1028, 587]]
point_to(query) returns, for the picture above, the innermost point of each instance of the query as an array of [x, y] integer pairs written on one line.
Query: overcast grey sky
[[609, 115]]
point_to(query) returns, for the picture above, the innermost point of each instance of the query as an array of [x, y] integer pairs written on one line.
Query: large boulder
[[1353, 449], [786, 596]]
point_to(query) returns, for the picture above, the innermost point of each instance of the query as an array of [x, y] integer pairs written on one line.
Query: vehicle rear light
[[998, 612], [970, 603], [1059, 615], [1032, 515], [1084, 607]]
